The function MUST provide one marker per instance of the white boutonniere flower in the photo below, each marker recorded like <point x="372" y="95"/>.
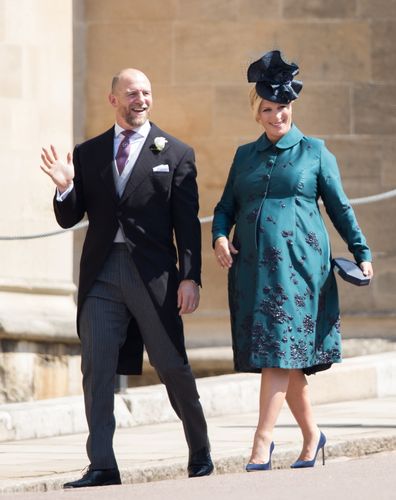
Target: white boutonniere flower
<point x="159" y="143"/>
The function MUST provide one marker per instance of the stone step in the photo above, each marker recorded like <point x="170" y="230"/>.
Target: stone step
<point x="356" y="378"/>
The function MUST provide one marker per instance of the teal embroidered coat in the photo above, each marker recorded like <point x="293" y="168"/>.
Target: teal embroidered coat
<point x="282" y="291"/>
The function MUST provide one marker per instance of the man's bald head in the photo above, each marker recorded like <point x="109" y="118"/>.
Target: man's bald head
<point x="130" y="74"/>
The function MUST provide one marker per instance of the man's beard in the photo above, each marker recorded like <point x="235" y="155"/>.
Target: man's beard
<point x="136" y="121"/>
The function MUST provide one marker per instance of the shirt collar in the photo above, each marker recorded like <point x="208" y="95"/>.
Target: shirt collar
<point x="142" y="131"/>
<point x="287" y="141"/>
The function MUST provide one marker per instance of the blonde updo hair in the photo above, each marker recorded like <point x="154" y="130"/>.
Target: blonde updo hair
<point x="255" y="101"/>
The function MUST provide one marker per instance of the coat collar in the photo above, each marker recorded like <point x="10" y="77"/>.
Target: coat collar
<point x="289" y="140"/>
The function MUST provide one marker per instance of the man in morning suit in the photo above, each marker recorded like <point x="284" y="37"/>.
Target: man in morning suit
<point x="137" y="185"/>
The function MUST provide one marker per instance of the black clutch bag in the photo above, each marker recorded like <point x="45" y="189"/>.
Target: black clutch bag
<point x="350" y="272"/>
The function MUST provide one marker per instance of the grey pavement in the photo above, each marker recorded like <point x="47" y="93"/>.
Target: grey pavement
<point x="355" y="406"/>
<point x="365" y="478"/>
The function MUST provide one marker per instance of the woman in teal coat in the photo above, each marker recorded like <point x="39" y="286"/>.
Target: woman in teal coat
<point x="282" y="290"/>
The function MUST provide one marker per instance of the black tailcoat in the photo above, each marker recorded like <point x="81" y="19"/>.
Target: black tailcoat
<point x="156" y="210"/>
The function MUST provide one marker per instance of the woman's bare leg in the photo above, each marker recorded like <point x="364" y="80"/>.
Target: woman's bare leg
<point x="297" y="397"/>
<point x="274" y="384"/>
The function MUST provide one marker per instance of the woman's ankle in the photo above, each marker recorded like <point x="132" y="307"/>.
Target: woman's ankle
<point x="261" y="447"/>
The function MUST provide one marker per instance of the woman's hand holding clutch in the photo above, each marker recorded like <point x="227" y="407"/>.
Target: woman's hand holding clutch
<point x="367" y="269"/>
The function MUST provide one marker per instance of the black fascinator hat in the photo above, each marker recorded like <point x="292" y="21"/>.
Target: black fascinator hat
<point x="274" y="78"/>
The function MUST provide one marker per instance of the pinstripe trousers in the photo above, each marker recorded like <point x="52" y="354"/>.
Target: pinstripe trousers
<point x="117" y="295"/>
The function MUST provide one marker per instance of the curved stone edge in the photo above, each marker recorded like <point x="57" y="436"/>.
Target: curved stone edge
<point x="356" y="378"/>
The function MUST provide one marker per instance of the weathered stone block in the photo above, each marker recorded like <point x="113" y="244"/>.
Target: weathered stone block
<point x="386" y="286"/>
<point x="341" y="50"/>
<point x="208" y="10"/>
<point x="32" y="370"/>
<point x="358" y="156"/>
<point x="210" y="52"/>
<point x="100" y="112"/>
<point x="220" y="53"/>
<point x="380" y="9"/>
<point x="257" y="9"/>
<point x="373" y="106"/>
<point x="6" y="136"/>
<point x="149" y="404"/>
<point x="137" y="46"/>
<point x="228" y="10"/>
<point x="17" y="372"/>
<point x="319" y="8"/>
<point x="11" y="71"/>
<point x="28" y="420"/>
<point x="354" y="300"/>
<point x="358" y="382"/>
<point x="232" y="112"/>
<point x="361" y="187"/>
<point x="74" y="372"/>
<point x="127" y="11"/>
<point x="380" y="225"/>
<point x="386" y="378"/>
<point x="383" y="50"/>
<point x="28" y="22"/>
<point x="389" y="166"/>
<point x="330" y="51"/>
<point x="2" y="20"/>
<point x="214" y="158"/>
<point x="209" y="199"/>
<point x="360" y="160"/>
<point x="215" y="393"/>
<point x="383" y="284"/>
<point x="185" y="111"/>
<point x="51" y="377"/>
<point x="314" y="116"/>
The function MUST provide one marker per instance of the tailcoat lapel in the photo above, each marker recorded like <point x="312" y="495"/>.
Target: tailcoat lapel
<point x="106" y="169"/>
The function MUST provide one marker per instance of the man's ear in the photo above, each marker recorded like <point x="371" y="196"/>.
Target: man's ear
<point x="113" y="100"/>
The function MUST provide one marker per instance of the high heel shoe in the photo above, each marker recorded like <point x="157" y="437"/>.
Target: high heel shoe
<point x="267" y="466"/>
<point x="299" y="464"/>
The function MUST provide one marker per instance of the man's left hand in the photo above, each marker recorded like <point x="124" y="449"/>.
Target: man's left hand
<point x="187" y="297"/>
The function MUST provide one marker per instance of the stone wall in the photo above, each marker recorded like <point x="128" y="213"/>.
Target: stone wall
<point x="36" y="287"/>
<point x="196" y="53"/>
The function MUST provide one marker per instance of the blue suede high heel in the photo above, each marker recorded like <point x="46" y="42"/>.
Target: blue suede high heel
<point x="267" y="466"/>
<point x="299" y="464"/>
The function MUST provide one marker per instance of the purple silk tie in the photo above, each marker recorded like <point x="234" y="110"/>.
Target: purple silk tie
<point x="123" y="151"/>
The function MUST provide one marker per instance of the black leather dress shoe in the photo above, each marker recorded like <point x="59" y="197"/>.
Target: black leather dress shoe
<point x="200" y="463"/>
<point x="98" y="477"/>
